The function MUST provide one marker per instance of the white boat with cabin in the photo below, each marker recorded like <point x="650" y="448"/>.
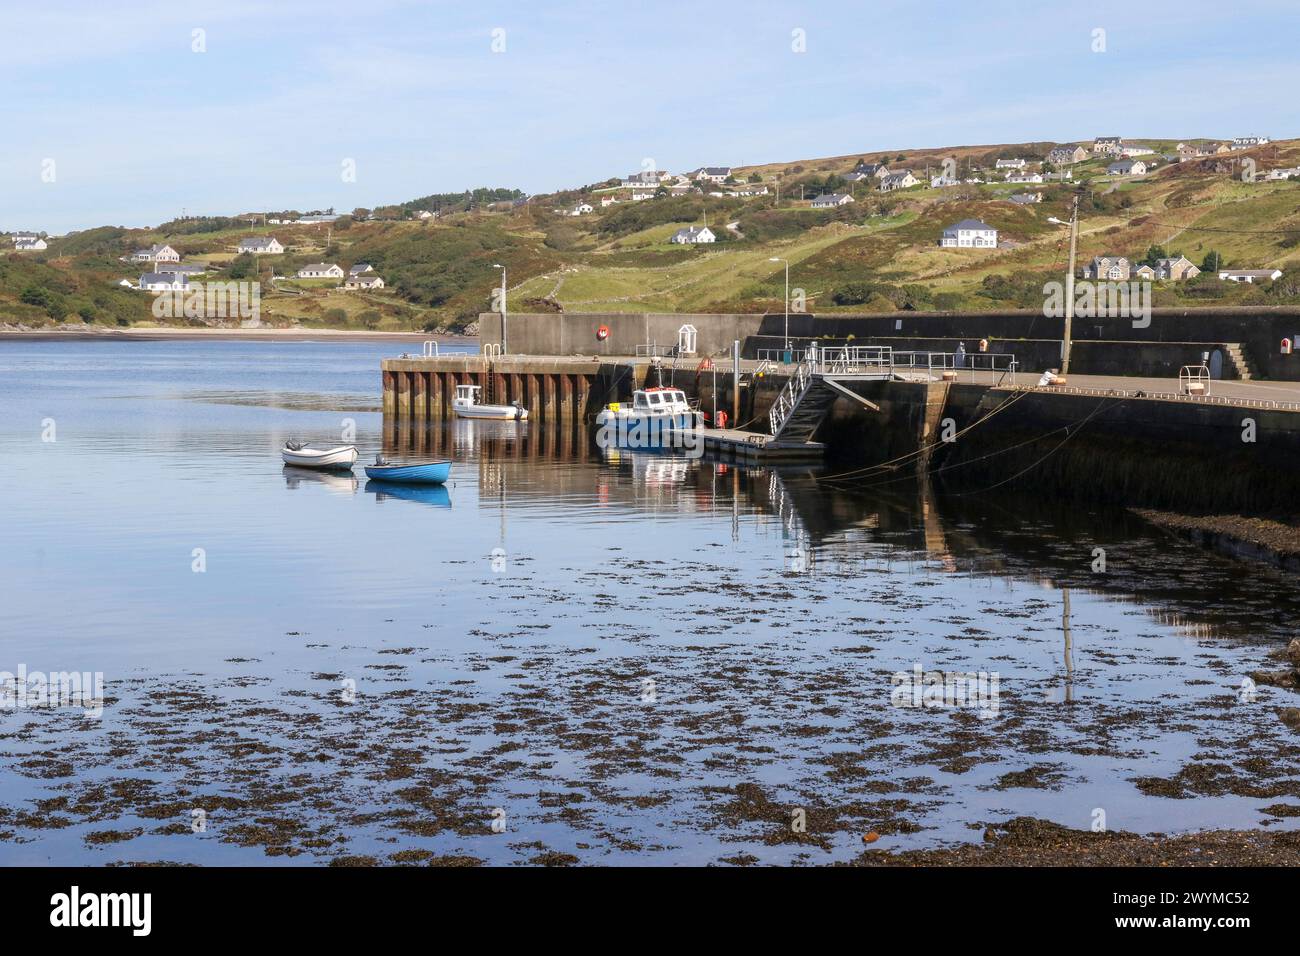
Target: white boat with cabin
<point x="466" y="405"/>
<point x="654" y="415"/>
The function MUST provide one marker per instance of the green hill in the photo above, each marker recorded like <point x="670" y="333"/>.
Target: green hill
<point x="880" y="252"/>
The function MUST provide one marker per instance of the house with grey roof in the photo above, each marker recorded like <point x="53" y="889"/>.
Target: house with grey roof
<point x="969" y="234"/>
<point x="1250" y="275"/>
<point x="364" y="280"/>
<point x="1110" y="268"/>
<point x="29" y="244"/>
<point x="1067" y="155"/>
<point x="903" y="179"/>
<point x="157" y="253"/>
<point x="164" y="282"/>
<point x="693" y="235"/>
<point x="320" y="270"/>
<point x="180" y="268"/>
<point x="714" y="174"/>
<point x="1127" y="167"/>
<point x="830" y="200"/>
<point x="359" y="268"/>
<point x="261" y="246"/>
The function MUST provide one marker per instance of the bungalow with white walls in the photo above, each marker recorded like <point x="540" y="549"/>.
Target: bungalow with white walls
<point x="1127" y="167"/>
<point x="364" y="280"/>
<point x="29" y="244"/>
<point x="320" y="270"/>
<point x="830" y="200"/>
<point x="1250" y="275"/>
<point x="164" y="282"/>
<point x="261" y="246"/>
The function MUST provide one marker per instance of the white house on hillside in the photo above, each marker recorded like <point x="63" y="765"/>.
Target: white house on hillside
<point x="1009" y="164"/>
<point x="581" y="209"/>
<point x="827" y="200"/>
<point x="320" y="270"/>
<point x="261" y="246"/>
<point x="158" y="253"/>
<point x="970" y="234"/>
<point x="1250" y="275"/>
<point x="30" y="244"/>
<point x="361" y="267"/>
<point x="164" y="282"/>
<point x="714" y="174"/>
<point x="1024" y="177"/>
<point x="693" y="234"/>
<point x="364" y="280"/>
<point x="899" y="180"/>
<point x="1127" y="167"/>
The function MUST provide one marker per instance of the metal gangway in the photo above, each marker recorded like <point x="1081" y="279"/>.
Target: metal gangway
<point x="818" y="375"/>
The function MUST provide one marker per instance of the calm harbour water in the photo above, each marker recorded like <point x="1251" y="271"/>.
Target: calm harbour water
<point x="636" y="658"/>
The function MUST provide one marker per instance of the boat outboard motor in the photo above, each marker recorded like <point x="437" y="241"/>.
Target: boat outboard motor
<point x="380" y="461"/>
<point x="519" y="411"/>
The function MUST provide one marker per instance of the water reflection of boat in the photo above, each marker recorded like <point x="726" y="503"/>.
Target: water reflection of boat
<point x="435" y="495"/>
<point x="338" y="482"/>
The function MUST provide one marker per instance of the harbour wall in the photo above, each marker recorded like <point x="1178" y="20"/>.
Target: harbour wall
<point x="1111" y="346"/>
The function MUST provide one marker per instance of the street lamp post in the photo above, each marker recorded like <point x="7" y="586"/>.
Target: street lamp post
<point x="1069" y="284"/>
<point x="787" y="299"/>
<point x="497" y="265"/>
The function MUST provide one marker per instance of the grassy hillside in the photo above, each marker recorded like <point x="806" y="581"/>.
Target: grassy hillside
<point x="879" y="253"/>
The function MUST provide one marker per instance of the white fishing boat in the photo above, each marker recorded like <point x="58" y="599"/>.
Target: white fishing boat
<point x="302" y="455"/>
<point x="656" y="416"/>
<point x="466" y="405"/>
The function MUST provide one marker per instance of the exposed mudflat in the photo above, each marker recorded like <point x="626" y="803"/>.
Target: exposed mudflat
<point x="589" y="735"/>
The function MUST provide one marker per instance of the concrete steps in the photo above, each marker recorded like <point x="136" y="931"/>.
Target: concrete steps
<point x="1238" y="359"/>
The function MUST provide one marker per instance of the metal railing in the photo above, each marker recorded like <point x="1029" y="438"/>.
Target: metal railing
<point x="788" y="400"/>
<point x="655" y="351"/>
<point x="430" y="349"/>
<point x="999" y="363"/>
<point x="491" y="349"/>
<point x="1194" y="380"/>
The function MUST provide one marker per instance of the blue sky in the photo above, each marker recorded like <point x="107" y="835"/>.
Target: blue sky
<point x="140" y="127"/>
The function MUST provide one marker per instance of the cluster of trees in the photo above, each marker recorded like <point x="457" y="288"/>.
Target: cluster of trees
<point x="442" y="203"/>
<point x="627" y="218"/>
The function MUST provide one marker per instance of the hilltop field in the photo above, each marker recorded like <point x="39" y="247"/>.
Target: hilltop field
<point x="876" y="254"/>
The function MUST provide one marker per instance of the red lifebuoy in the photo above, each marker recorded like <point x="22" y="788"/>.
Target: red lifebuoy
<point x="602" y="333"/>
<point x="1286" y="346"/>
<point x="722" y="419"/>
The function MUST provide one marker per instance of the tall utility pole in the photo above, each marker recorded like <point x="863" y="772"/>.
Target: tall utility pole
<point x="1069" y="289"/>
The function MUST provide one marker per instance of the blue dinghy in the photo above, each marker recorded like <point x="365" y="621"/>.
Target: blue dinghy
<point x="422" y="473"/>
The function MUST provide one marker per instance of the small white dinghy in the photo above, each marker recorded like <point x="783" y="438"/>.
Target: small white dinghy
<point x="466" y="405"/>
<point x="301" y="455"/>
